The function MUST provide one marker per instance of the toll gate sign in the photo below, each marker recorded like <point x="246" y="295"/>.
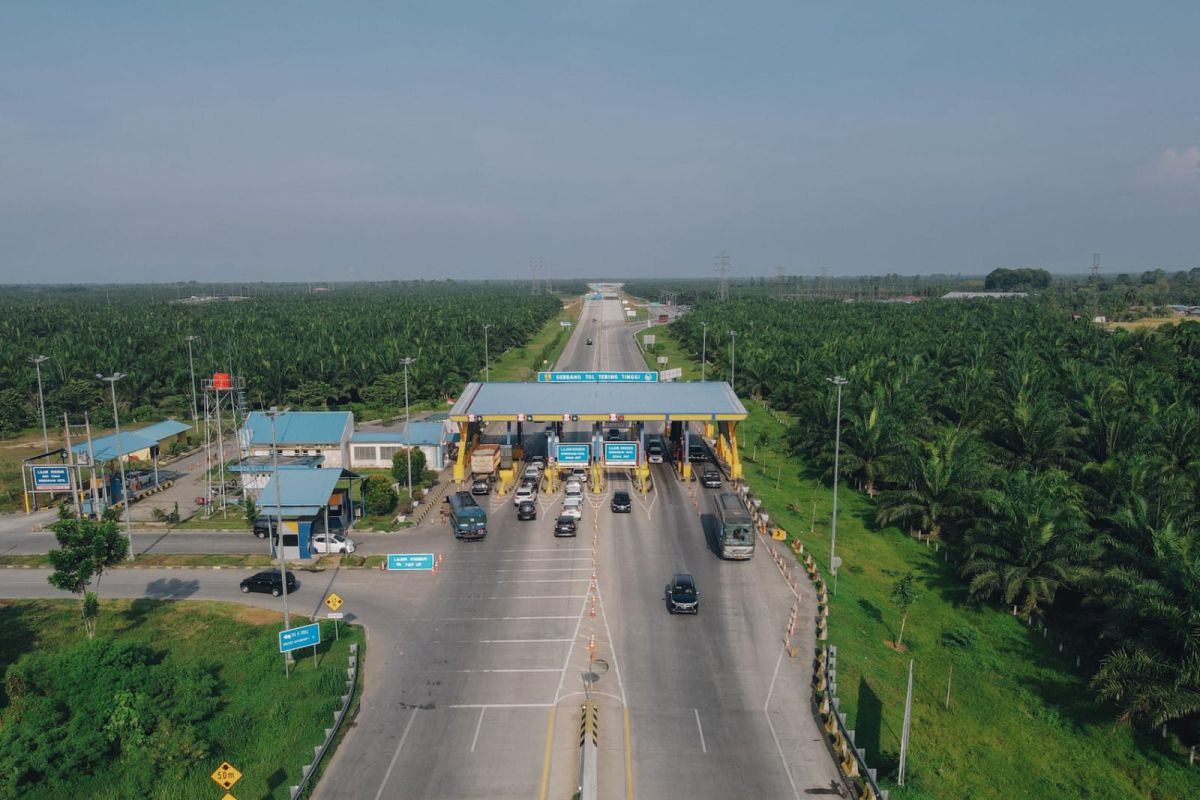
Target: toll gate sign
<point x="621" y="454"/>
<point x="51" y="479"/>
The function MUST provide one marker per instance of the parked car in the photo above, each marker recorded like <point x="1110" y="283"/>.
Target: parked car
<point x="481" y="486"/>
<point x="682" y="595"/>
<point x="526" y="492"/>
<point x="710" y="478"/>
<point x="332" y="543"/>
<point x="621" y="503"/>
<point x="574" y="489"/>
<point x="263" y="528"/>
<point x="526" y="510"/>
<point x="268" y="581"/>
<point x="573" y="507"/>
<point x="564" y="526"/>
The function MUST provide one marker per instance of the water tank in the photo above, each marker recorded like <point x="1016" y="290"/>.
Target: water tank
<point x="221" y="380"/>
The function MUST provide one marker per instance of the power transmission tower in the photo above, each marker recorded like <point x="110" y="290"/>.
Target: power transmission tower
<point x="723" y="270"/>
<point x="533" y="273"/>
<point x="825" y="281"/>
<point x="1095" y="286"/>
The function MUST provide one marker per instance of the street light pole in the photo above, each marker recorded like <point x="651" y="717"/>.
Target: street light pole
<point x="272" y="414"/>
<point x="487" y="364"/>
<point x="37" y="363"/>
<point x="703" y="348"/>
<point x="111" y="380"/>
<point x="192" y="372"/>
<point x="733" y="360"/>
<point x="407" y="426"/>
<point x="839" y="382"/>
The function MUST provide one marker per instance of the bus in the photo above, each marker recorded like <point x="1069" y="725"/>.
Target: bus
<point x="467" y="519"/>
<point x="735" y="528"/>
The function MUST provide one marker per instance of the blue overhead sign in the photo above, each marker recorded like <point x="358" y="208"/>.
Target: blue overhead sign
<point x="621" y="454"/>
<point x="406" y="562"/>
<point x="296" y="638"/>
<point x="573" y="453"/>
<point x="597" y="377"/>
<point x="51" y="479"/>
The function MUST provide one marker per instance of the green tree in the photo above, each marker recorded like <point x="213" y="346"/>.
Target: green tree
<point x="86" y="549"/>
<point x="938" y="479"/>
<point x="249" y="509"/>
<point x="904" y="594"/>
<point x="379" y="496"/>
<point x="400" y="466"/>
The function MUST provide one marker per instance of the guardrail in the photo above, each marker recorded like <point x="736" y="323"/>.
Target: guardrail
<point x="589" y="735"/>
<point x="338" y="716"/>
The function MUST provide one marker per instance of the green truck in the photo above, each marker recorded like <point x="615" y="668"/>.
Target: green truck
<point x="467" y="519"/>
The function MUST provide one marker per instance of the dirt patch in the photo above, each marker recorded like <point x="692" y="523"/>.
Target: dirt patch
<point x="899" y="648"/>
<point x="251" y="615"/>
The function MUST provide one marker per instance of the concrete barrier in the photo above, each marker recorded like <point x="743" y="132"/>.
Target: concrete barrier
<point x="338" y="716"/>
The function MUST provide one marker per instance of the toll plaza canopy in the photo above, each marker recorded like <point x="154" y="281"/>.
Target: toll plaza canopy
<point x="709" y="401"/>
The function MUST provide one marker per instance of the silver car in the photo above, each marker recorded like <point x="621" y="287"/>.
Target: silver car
<point x="332" y="543"/>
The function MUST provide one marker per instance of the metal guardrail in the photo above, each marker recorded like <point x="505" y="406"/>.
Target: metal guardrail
<point x="851" y="759"/>
<point x="338" y="716"/>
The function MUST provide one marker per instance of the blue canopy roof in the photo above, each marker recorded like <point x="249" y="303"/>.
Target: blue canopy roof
<point x="420" y="433"/>
<point x="302" y="493"/>
<point x="104" y="448"/>
<point x="299" y="427"/>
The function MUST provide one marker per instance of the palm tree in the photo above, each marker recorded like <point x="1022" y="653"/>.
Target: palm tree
<point x="1029" y="543"/>
<point x="939" y="478"/>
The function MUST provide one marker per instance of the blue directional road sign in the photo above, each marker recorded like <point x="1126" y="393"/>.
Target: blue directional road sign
<point x="51" y="479"/>
<point x="296" y="638"/>
<point x="573" y="453"/>
<point x="407" y="562"/>
<point x="597" y="377"/>
<point x="621" y="454"/>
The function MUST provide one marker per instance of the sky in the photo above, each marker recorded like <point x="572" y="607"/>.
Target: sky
<point x="397" y="140"/>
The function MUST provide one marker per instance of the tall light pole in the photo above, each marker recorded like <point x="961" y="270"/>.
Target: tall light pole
<point x="37" y="363"/>
<point x="733" y="360"/>
<point x="272" y="414"/>
<point x="407" y="426"/>
<point x="192" y="372"/>
<point x="487" y="364"/>
<point x="111" y="380"/>
<point x="839" y="382"/>
<point x="703" y="348"/>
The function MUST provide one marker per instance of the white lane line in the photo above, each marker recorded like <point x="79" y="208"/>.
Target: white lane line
<point x="396" y="755"/>
<point x="570" y="651"/>
<point x="517" y="670"/>
<point x="535" y="597"/>
<point x="498" y="705"/>
<point x="774" y="676"/>
<point x="478" y="725"/>
<point x="493" y="619"/>
<point x="494" y="641"/>
<point x="696" y="711"/>
<point x="778" y="749"/>
<point x="612" y="644"/>
<point x="546" y="580"/>
<point x="461" y="569"/>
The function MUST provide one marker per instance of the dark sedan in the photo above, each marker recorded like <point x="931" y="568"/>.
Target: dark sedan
<point x="564" y="526"/>
<point x="527" y="510"/>
<point x="621" y="504"/>
<point x="682" y="595"/>
<point x="268" y="581"/>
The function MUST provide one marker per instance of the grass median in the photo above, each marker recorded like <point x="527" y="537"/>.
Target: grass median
<point x="523" y="363"/>
<point x="120" y="739"/>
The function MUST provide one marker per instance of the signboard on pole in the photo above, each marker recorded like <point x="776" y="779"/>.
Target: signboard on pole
<point x="51" y="479"/>
<point x="566" y="323"/>
<point x="597" y="377"/>
<point x="649" y="339"/>
<point x="621" y="454"/>
<point x="409" y="562"/>
<point x="296" y="638"/>
<point x="671" y="374"/>
<point x="226" y="775"/>
<point x="662" y="360"/>
<point x="573" y="453"/>
<point x="333" y="601"/>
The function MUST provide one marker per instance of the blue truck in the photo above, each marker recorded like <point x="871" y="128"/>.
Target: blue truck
<point x="467" y="519"/>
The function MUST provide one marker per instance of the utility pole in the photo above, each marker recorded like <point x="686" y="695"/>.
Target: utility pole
<point x="487" y="364"/>
<point x="408" y="427"/>
<point x="192" y="372"/>
<point x="733" y="360"/>
<point x="703" y="348"/>
<point x="37" y="363"/>
<point x="839" y="382"/>
<point x="111" y="380"/>
<point x="271" y="414"/>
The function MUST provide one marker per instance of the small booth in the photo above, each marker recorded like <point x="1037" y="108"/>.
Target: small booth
<point x="307" y="502"/>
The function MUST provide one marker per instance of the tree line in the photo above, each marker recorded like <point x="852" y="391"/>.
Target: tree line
<point x="1058" y="462"/>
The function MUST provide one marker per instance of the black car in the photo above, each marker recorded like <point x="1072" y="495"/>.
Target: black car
<point x="682" y="595"/>
<point x="697" y="452"/>
<point x="527" y="510"/>
<point x="268" y="581"/>
<point x="614" y="434"/>
<point x="710" y="478"/>
<point x="589" y="341"/>
<point x="481" y="486"/>
<point x="262" y="528"/>
<point x="564" y="526"/>
<point x="621" y="504"/>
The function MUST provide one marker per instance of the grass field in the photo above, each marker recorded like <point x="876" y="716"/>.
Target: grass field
<point x="1149" y="322"/>
<point x="1020" y="723"/>
<point x="664" y="345"/>
<point x="266" y="725"/>
<point x="522" y="363"/>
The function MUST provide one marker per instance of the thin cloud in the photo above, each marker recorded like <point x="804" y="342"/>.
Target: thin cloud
<point x="1179" y="166"/>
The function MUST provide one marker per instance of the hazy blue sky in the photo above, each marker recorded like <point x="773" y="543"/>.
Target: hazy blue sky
<point x="169" y="140"/>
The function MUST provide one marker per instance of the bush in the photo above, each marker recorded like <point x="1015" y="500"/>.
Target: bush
<point x="962" y="637"/>
<point x="379" y="496"/>
<point x="349" y="560"/>
<point x="400" y="466"/>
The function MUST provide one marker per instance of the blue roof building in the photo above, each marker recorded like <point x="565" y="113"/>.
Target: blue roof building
<point x="139" y="444"/>
<point x="375" y="448"/>
<point x="307" y="502"/>
<point x="302" y="433"/>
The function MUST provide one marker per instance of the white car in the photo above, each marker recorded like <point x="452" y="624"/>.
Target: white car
<point x="526" y="491"/>
<point x="579" y="474"/>
<point x="532" y="472"/>
<point x="332" y="543"/>
<point x="573" y="507"/>
<point x="574" y="489"/>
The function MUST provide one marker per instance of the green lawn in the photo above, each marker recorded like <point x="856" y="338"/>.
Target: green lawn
<point x="664" y="345"/>
<point x="523" y="363"/>
<point x="1021" y="723"/>
<point x="265" y="725"/>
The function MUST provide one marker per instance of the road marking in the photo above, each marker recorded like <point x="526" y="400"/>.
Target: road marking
<point x="529" y="669"/>
<point x="546" y="759"/>
<point x="786" y="769"/>
<point x="492" y="619"/>
<point x="628" y="759"/>
<point x="501" y="705"/>
<point x="395" y="756"/>
<point x="493" y="641"/>
<point x="478" y="725"/>
<point x="624" y="700"/>
<point x="696" y="711"/>
<point x="546" y="580"/>
<point x="536" y="597"/>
